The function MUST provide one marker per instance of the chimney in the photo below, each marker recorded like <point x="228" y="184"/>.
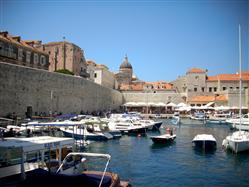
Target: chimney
<point x="30" y="43"/>
<point x="4" y="33"/>
<point x="17" y="38"/>
<point x="37" y="43"/>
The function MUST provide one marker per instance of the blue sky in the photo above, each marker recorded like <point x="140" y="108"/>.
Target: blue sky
<point x="163" y="39"/>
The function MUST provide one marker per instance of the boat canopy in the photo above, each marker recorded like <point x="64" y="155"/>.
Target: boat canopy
<point x="34" y="144"/>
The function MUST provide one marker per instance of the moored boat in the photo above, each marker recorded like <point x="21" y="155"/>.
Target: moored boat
<point x="204" y="141"/>
<point x="237" y="142"/>
<point x="85" y="133"/>
<point x="164" y="138"/>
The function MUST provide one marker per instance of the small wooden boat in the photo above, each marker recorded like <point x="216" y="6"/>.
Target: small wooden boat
<point x="165" y="138"/>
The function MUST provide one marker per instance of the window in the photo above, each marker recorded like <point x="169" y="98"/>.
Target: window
<point x="231" y="88"/>
<point x="224" y="88"/>
<point x="196" y="77"/>
<point x="43" y="60"/>
<point x="215" y="89"/>
<point x="10" y="52"/>
<point x="237" y="88"/>
<point x="35" y="58"/>
<point x="20" y="54"/>
<point x="210" y="89"/>
<point x="1" y="46"/>
<point x="95" y="75"/>
<point x="245" y="88"/>
<point x="195" y="89"/>
<point x="28" y="54"/>
<point x="203" y="89"/>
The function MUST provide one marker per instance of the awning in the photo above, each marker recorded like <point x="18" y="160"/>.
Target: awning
<point x="209" y="104"/>
<point x="171" y="104"/>
<point x="181" y="105"/>
<point x="222" y="108"/>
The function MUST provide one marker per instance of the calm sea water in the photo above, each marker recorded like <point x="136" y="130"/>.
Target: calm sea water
<point x="141" y="162"/>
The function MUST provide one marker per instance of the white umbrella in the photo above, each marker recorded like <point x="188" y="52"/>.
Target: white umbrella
<point x="151" y="104"/>
<point x="181" y="105"/>
<point x="161" y="104"/>
<point x="171" y="104"/>
<point x="141" y="104"/>
<point x="130" y="104"/>
<point x="184" y="108"/>
<point x="222" y="108"/>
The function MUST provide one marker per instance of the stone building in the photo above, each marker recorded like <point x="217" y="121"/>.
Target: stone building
<point x="198" y="88"/>
<point x="124" y="76"/>
<point x="91" y="67"/>
<point x="104" y="77"/>
<point x="16" y="51"/>
<point x="65" y="55"/>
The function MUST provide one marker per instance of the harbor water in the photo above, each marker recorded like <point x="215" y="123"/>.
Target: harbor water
<point x="137" y="159"/>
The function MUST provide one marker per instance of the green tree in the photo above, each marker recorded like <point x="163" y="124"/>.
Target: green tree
<point x="64" y="71"/>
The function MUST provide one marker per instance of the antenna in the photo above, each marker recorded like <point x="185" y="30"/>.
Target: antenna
<point x="240" y="76"/>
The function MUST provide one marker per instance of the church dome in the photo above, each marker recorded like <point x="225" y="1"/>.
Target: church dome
<point x="125" y="64"/>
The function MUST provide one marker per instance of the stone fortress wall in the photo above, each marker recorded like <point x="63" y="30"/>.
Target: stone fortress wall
<point x="150" y="96"/>
<point x="22" y="87"/>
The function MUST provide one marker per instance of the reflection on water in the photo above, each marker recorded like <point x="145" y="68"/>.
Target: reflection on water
<point x="177" y="164"/>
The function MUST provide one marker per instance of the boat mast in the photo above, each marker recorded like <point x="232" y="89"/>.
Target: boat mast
<point x="240" y="77"/>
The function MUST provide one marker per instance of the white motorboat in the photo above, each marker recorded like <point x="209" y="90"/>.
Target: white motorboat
<point x="198" y="116"/>
<point x="243" y="120"/>
<point x="237" y="142"/>
<point x="84" y="132"/>
<point x="127" y="126"/>
<point x="149" y="124"/>
<point x="163" y="139"/>
<point x="204" y="141"/>
<point x="76" y="169"/>
<point x="19" y="155"/>
<point x="176" y="118"/>
<point x="219" y="118"/>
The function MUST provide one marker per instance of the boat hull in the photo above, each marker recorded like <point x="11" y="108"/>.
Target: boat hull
<point x="157" y="125"/>
<point x="238" y="146"/>
<point x="163" y="139"/>
<point x="136" y="131"/>
<point x="116" y="134"/>
<point x="205" y="144"/>
<point x="93" y="137"/>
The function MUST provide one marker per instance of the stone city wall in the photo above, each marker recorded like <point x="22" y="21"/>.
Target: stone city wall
<point x="22" y="87"/>
<point x="159" y="96"/>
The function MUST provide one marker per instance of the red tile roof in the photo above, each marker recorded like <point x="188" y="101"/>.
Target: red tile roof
<point x="160" y="85"/>
<point x="229" y="77"/>
<point x="196" y="70"/>
<point x="208" y="98"/>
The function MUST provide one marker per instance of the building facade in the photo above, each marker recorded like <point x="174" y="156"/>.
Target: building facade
<point x="16" y="51"/>
<point x="91" y="67"/>
<point x="198" y="88"/>
<point x="65" y="55"/>
<point x="104" y="77"/>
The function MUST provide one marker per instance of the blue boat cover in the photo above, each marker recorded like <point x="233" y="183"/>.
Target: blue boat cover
<point x="42" y="178"/>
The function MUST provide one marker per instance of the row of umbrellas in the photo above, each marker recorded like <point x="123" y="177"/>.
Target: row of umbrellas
<point x="181" y="106"/>
<point x="159" y="104"/>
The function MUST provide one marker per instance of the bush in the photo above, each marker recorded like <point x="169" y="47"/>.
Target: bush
<point x="64" y="71"/>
